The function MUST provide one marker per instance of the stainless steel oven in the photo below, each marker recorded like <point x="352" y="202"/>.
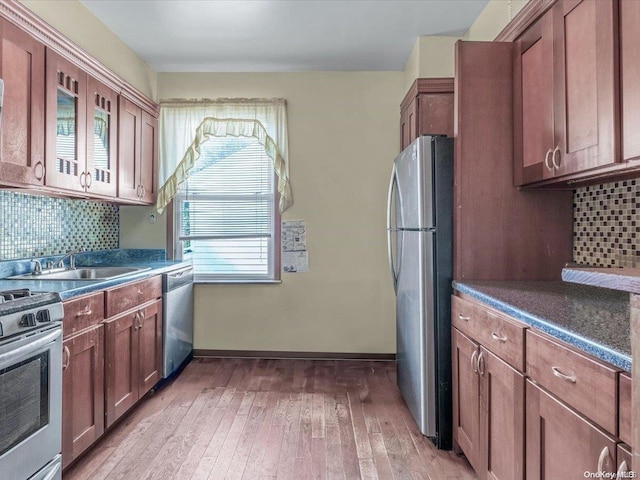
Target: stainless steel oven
<point x="30" y="388"/>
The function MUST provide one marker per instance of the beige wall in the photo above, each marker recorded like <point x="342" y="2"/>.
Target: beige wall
<point x="78" y="24"/>
<point x="493" y="18"/>
<point x="431" y="57"/>
<point x="343" y="136"/>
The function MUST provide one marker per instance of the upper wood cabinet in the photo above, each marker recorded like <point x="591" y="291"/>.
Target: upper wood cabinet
<point x="137" y="153"/>
<point x="427" y="109"/>
<point x="82" y="131"/>
<point x="533" y="107"/>
<point x="629" y="74"/>
<point x="22" y="65"/>
<point x="566" y="93"/>
<point x="102" y="137"/>
<point x="59" y="127"/>
<point x="66" y="123"/>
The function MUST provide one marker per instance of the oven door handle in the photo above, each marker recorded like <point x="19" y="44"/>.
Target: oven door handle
<point x="11" y="356"/>
<point x="51" y="474"/>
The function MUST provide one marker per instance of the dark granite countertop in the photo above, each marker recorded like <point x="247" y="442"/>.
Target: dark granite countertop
<point x="152" y="260"/>
<point x="594" y="320"/>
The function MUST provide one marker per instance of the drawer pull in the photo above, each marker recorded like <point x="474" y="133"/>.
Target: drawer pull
<point x="556" y="371"/>
<point x="622" y="469"/>
<point x="603" y="456"/>
<point x="140" y="292"/>
<point x="464" y="318"/>
<point x="84" y="313"/>
<point x="498" y="337"/>
<point x="474" y="364"/>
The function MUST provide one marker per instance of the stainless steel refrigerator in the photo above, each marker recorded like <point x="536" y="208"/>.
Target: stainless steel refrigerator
<point x="419" y="233"/>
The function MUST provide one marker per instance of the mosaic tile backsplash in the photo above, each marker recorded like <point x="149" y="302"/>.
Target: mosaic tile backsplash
<point x="36" y="226"/>
<point x="606" y="224"/>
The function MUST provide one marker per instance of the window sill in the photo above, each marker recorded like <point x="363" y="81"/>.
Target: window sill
<point x="237" y="282"/>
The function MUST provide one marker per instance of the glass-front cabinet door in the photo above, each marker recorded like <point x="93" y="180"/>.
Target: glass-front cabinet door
<point x="66" y="110"/>
<point x="102" y="119"/>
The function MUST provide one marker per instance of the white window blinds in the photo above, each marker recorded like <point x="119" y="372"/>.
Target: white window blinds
<point x="225" y="215"/>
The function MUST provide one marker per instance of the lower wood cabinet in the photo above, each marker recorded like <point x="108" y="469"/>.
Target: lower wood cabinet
<point x="466" y="392"/>
<point x="488" y="410"/>
<point x="133" y="344"/>
<point x="625" y="460"/>
<point x="83" y="392"/>
<point x="561" y="443"/>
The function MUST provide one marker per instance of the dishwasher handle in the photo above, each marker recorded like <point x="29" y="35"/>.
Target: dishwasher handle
<point x="177" y="278"/>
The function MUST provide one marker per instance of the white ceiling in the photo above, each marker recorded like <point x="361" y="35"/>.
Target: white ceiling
<point x="280" y="35"/>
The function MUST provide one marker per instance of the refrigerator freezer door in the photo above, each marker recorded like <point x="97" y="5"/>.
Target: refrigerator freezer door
<point x="415" y="328"/>
<point x="414" y="180"/>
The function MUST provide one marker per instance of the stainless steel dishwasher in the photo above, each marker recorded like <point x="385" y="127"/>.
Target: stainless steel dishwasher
<point x="177" y="313"/>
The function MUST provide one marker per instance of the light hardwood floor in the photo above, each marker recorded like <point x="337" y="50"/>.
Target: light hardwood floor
<point x="250" y="419"/>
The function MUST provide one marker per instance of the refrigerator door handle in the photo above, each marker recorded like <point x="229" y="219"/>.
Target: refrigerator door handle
<point x="391" y="230"/>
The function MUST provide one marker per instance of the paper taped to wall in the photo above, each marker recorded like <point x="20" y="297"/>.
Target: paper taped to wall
<point x="295" y="257"/>
<point x="295" y="262"/>
<point x="294" y="236"/>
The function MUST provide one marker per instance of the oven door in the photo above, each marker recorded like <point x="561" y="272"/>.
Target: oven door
<point x="30" y="402"/>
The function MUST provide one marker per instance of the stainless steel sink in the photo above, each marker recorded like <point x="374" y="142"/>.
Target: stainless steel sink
<point x="82" y="273"/>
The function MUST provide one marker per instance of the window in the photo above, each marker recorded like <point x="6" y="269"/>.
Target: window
<point x="226" y="214"/>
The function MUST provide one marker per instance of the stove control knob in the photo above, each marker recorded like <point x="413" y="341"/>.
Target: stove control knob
<point x="43" y="316"/>
<point x="28" y="320"/>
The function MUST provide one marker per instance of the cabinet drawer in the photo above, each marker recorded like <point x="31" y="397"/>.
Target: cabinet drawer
<point x="497" y="333"/>
<point x="131" y="295"/>
<point x="624" y="402"/>
<point x="585" y="384"/>
<point x="82" y="312"/>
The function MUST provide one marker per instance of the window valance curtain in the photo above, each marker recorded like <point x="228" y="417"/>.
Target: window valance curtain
<point x="187" y="124"/>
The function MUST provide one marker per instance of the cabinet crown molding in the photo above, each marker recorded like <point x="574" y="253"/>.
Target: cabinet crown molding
<point x="523" y="19"/>
<point x="22" y="17"/>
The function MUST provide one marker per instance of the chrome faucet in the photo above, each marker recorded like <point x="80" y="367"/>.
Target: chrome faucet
<point x="37" y="269"/>
<point x="72" y="260"/>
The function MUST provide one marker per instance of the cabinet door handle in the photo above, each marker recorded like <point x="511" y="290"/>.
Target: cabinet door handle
<point x="88" y="180"/>
<point x="140" y="319"/>
<point x="464" y="318"/>
<point x="603" y="456"/>
<point x="481" y="365"/>
<point x="553" y="157"/>
<point x="474" y="364"/>
<point x="556" y="371"/>
<point x="623" y="468"/>
<point x="498" y="337"/>
<point x="66" y="358"/>
<point x="39" y="170"/>
<point x="136" y="321"/>
<point x="144" y="191"/>
<point x="547" y="159"/>
<point x="82" y="182"/>
<point x="84" y="313"/>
